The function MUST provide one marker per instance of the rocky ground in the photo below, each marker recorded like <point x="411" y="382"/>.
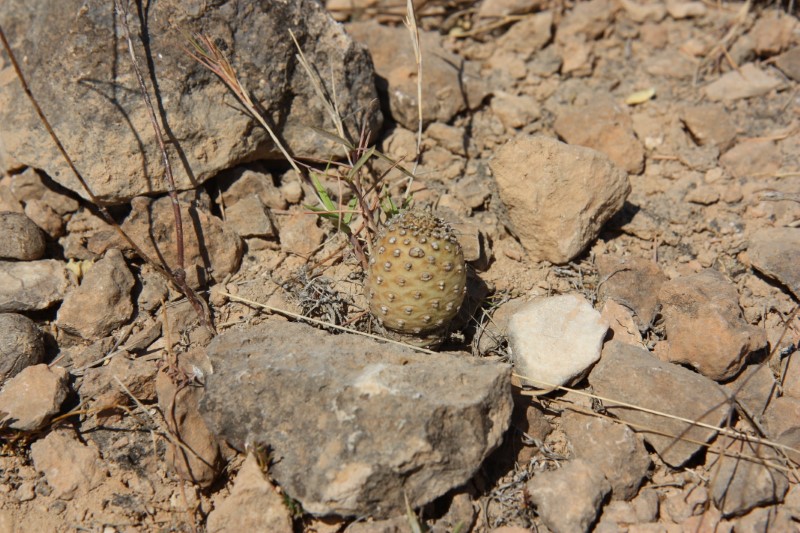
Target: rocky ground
<point x="624" y="180"/>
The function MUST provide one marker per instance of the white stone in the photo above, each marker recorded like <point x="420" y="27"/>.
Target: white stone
<point x="554" y="341"/>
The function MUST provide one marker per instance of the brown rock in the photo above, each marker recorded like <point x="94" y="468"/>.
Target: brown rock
<point x="395" y="63"/>
<point x="611" y="447"/>
<point x="21" y="345"/>
<point x="587" y="19"/>
<point x="543" y="183"/>
<point x="605" y="127"/>
<point x="502" y="8"/>
<point x="529" y="35"/>
<point x="22" y="239"/>
<point x="746" y="82"/>
<point x="633" y="282"/>
<point x="210" y="249"/>
<point x="782" y="415"/>
<point x="300" y="234"/>
<point x="740" y="484"/>
<point x="776" y="253"/>
<point x="253" y="504"/>
<point x="569" y="498"/>
<point x="791" y="376"/>
<point x="70" y="467"/>
<point x="705" y="326"/>
<point x="103" y="301"/>
<point x="753" y="158"/>
<point x="632" y="375"/>
<point x="773" y="32"/>
<point x="789" y="63"/>
<point x="753" y="389"/>
<point x="32" y="285"/>
<point x="100" y="384"/>
<point x="198" y="458"/>
<point x="243" y="183"/>
<point x="515" y="111"/>
<point x="678" y="9"/>
<point x="249" y="217"/>
<point x="32" y="397"/>
<point x="620" y="321"/>
<point x="710" y="124"/>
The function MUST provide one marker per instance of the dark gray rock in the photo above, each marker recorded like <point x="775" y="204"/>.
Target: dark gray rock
<point x="21" y="345"/>
<point x="32" y="285"/>
<point x="103" y="301"/>
<point x="632" y="375"/>
<point x="22" y="239"/>
<point x="776" y="253"/>
<point x="569" y="499"/>
<point x="77" y="63"/>
<point x="354" y="425"/>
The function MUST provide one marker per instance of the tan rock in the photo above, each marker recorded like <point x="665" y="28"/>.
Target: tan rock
<point x="752" y="158"/>
<point x="70" y="467"/>
<point x="558" y="196"/>
<point x="32" y="397"/>
<point x="710" y="124"/>
<point x="705" y="326"/>
<point x="253" y="504"/>
<point x="605" y="127"/>
<point x="746" y="82"/>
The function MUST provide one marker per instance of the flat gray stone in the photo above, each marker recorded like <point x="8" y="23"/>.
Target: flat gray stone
<point x="632" y="375"/>
<point x="32" y="285"/>
<point x="776" y="253"/>
<point x="354" y="425"/>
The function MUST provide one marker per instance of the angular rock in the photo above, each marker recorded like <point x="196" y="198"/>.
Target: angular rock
<point x="741" y="484"/>
<point x="249" y="217"/>
<point x="710" y="124"/>
<point x="789" y="63"/>
<point x="102" y="302"/>
<point x="355" y="425"/>
<point x="180" y="407"/>
<point x="680" y="506"/>
<point x="746" y="82"/>
<point x="444" y="94"/>
<point x="775" y="252"/>
<point x="603" y="126"/>
<point x="32" y="397"/>
<point x="753" y="389"/>
<point x="253" y="504"/>
<point x="791" y="376"/>
<point x="620" y="321"/>
<point x="21" y="345"/>
<point x="558" y="196"/>
<point x="22" y="239"/>
<point x="773" y="32"/>
<point x="243" y="183"/>
<point x="32" y="285"/>
<point x="300" y="234"/>
<point x="118" y="151"/>
<point x="210" y="249"/>
<point x="705" y="326"/>
<point x="632" y="375"/>
<point x="611" y="447"/>
<point x="782" y="415"/>
<point x="100" y="384"/>
<point x="554" y="341"/>
<point x="569" y="498"/>
<point x="633" y="282"/>
<point x="754" y="157"/>
<point x="70" y="467"/>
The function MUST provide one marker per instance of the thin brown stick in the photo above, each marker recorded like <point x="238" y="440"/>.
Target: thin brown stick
<point x="178" y="273"/>
<point x="94" y="199"/>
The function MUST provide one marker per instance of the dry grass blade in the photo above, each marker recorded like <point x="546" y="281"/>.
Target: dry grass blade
<point x="617" y="403"/>
<point x="209" y="55"/>
<point x="411" y="23"/>
<point x="321" y="322"/>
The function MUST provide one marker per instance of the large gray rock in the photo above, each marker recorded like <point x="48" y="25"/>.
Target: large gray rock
<point x="558" y="196"/>
<point x="354" y="425"/>
<point x="77" y="63"/>
<point x="632" y="375"/>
